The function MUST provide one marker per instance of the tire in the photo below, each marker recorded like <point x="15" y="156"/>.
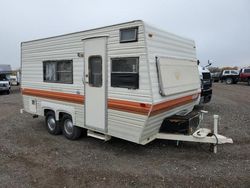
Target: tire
<point x="52" y="125"/>
<point x="229" y="81"/>
<point x="70" y="131"/>
<point x="248" y="81"/>
<point x="8" y="92"/>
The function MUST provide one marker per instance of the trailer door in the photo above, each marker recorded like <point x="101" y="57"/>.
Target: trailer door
<point x="95" y="83"/>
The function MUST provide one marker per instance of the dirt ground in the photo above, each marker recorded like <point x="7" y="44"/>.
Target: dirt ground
<point x="31" y="157"/>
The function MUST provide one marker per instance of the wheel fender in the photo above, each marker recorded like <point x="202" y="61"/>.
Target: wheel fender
<point x="57" y="108"/>
<point x="69" y="111"/>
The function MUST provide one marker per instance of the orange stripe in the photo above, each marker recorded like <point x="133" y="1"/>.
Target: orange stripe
<point x="161" y="107"/>
<point x="115" y="104"/>
<point x="74" y="98"/>
<point x="128" y="106"/>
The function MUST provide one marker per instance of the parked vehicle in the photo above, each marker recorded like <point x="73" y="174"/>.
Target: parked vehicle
<point x="122" y="81"/>
<point x="13" y="80"/>
<point x="230" y="76"/>
<point x="245" y="75"/>
<point x="206" y="85"/>
<point x="216" y="76"/>
<point x="4" y="84"/>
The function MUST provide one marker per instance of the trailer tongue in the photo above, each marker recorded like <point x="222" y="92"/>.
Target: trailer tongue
<point x="202" y="135"/>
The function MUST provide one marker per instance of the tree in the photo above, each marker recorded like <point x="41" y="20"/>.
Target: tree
<point x="214" y="69"/>
<point x="230" y="68"/>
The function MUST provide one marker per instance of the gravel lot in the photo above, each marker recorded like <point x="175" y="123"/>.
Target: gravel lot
<point x="30" y="157"/>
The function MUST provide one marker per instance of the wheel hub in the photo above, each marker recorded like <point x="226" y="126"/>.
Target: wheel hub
<point x="51" y="123"/>
<point x="68" y="126"/>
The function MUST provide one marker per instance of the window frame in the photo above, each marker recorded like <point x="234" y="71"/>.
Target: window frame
<point x="118" y="58"/>
<point x="131" y="40"/>
<point x="94" y="56"/>
<point x="135" y="75"/>
<point x="56" y="62"/>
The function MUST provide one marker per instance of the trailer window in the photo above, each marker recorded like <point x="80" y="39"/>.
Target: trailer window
<point x="125" y="72"/>
<point x="58" y="71"/>
<point x="95" y="71"/>
<point x="129" y="34"/>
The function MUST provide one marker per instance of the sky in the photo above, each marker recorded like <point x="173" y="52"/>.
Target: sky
<point x="220" y="28"/>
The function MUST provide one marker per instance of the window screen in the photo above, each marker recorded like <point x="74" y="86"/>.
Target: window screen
<point x="128" y="65"/>
<point x="95" y="71"/>
<point x="58" y="71"/>
<point x="125" y="72"/>
<point x="129" y="34"/>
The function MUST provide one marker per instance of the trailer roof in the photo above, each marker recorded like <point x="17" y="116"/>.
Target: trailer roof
<point x="82" y="31"/>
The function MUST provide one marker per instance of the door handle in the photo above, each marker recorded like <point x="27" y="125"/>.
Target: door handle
<point x="83" y="81"/>
<point x="86" y="78"/>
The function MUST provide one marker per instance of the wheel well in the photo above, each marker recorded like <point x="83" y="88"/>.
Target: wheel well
<point x="48" y="110"/>
<point x="61" y="114"/>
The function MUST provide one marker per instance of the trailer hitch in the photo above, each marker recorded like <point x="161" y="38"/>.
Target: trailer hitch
<point x="201" y="135"/>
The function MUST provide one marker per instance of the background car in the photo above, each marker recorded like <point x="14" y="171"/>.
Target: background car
<point x="230" y="76"/>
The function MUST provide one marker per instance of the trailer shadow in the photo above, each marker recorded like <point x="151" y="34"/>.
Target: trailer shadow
<point x="122" y="148"/>
<point x="161" y="147"/>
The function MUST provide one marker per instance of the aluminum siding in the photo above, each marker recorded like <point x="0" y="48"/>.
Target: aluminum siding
<point x="120" y="124"/>
<point x="164" y="44"/>
<point x="167" y="45"/>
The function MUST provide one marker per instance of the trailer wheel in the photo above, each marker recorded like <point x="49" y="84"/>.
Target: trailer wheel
<point x="229" y="81"/>
<point x="69" y="130"/>
<point x="51" y="123"/>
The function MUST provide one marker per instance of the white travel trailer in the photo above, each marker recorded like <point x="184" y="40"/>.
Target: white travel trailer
<point x="121" y="80"/>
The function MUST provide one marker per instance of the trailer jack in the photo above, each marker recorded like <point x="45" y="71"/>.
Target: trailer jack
<point x="201" y="135"/>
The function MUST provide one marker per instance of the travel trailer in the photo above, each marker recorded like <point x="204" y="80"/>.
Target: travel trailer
<point x="118" y="81"/>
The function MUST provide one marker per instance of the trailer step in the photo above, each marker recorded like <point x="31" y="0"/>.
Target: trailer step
<point x="98" y="135"/>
